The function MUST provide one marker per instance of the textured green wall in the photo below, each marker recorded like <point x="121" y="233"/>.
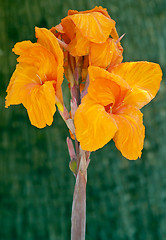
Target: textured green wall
<point x="126" y="200"/>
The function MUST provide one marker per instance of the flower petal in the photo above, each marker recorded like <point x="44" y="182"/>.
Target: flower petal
<point x="39" y="57"/>
<point x="79" y="45"/>
<point x="94" y="126"/>
<point x="95" y="9"/>
<point x="106" y="88"/>
<point x="21" y="77"/>
<point x="129" y="138"/>
<point x="40" y="104"/>
<point x="47" y="39"/>
<point x="143" y="77"/>
<point x="105" y="54"/>
<point x="114" y="34"/>
<point x="100" y="54"/>
<point x="69" y="27"/>
<point x="22" y="47"/>
<point x="94" y="26"/>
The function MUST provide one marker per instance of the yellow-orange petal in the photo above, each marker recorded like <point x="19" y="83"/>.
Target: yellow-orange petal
<point x="23" y="75"/>
<point x="117" y="56"/>
<point x="143" y="77"/>
<point x="106" y="88"/>
<point x="71" y="12"/>
<point x="22" y="47"/>
<point x="114" y="34"/>
<point x="95" y="9"/>
<point x="94" y="26"/>
<point x="45" y="66"/>
<point x="40" y="104"/>
<point x="47" y="39"/>
<point x="129" y="138"/>
<point x="68" y="27"/>
<point x="94" y="126"/>
<point x="100" y="54"/>
<point x="79" y="45"/>
<point x="39" y="57"/>
<point x="105" y="54"/>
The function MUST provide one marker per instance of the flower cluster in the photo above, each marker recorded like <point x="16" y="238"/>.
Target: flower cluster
<point x="106" y="94"/>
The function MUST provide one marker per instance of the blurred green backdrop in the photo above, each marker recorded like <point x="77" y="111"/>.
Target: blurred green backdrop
<point x="126" y="200"/>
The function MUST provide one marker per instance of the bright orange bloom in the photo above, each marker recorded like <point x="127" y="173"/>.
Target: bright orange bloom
<point x="87" y="33"/>
<point x="110" y="110"/>
<point x="36" y="82"/>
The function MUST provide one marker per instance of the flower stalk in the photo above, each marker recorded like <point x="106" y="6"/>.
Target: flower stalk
<point x="78" y="218"/>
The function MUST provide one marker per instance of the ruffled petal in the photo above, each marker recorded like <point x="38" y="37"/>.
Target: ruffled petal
<point x="41" y="58"/>
<point x="94" y="26"/>
<point x="21" y="77"/>
<point x="40" y="104"/>
<point x="95" y="9"/>
<point x="105" y="54"/>
<point x="94" y="126"/>
<point x="143" y="77"/>
<point x="22" y="47"/>
<point x="129" y="138"/>
<point x="100" y="54"/>
<point x="106" y="88"/>
<point x="114" y="33"/>
<point x="68" y="27"/>
<point x="47" y="39"/>
<point x="79" y="45"/>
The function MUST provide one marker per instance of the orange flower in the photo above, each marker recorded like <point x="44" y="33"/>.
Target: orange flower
<point x="111" y="107"/>
<point x="36" y="82"/>
<point x="87" y="33"/>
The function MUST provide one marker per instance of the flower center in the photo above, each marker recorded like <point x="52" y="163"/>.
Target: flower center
<point x="108" y="108"/>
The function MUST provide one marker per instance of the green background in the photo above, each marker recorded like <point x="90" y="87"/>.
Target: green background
<point x="126" y="200"/>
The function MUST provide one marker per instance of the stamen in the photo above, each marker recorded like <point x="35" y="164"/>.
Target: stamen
<point x="39" y="78"/>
